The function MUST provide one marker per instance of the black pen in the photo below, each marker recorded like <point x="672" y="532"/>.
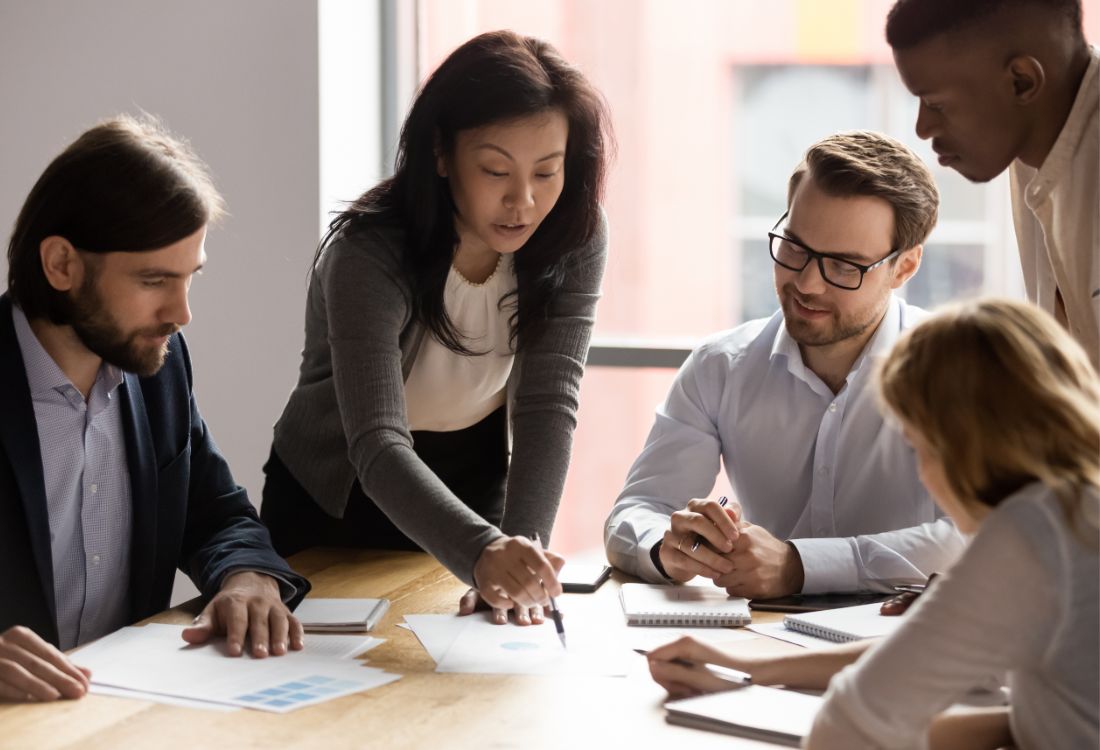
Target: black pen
<point x="735" y="676"/>
<point x="554" y="611"/>
<point x="698" y="538"/>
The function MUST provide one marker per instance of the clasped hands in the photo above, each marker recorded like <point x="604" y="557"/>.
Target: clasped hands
<point x="739" y="556"/>
<point x="514" y="574"/>
<point x="248" y="604"/>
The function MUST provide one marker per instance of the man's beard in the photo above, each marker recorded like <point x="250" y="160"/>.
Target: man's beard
<point x="101" y="334"/>
<point x="809" y="335"/>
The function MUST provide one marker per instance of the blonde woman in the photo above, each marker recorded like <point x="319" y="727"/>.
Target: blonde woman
<point x="1003" y="410"/>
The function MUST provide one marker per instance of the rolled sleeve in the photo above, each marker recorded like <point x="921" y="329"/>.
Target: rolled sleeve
<point x="829" y="565"/>
<point x="629" y="544"/>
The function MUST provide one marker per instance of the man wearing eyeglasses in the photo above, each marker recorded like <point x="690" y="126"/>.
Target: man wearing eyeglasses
<point x="829" y="497"/>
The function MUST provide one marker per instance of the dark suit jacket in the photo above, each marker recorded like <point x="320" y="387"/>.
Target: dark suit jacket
<point x="187" y="510"/>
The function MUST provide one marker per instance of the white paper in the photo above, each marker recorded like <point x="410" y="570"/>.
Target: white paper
<point x="339" y="646"/>
<point x="482" y="647"/>
<point x="436" y="633"/>
<point x="594" y="629"/>
<point x="168" y="700"/>
<point x="155" y="659"/>
<point x="780" y="632"/>
<point x="651" y="636"/>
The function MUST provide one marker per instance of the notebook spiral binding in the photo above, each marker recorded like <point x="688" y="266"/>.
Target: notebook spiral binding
<point x="665" y="618"/>
<point x="820" y="632"/>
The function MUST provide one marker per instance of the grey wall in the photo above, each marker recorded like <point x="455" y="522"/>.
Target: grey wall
<point x="239" y="78"/>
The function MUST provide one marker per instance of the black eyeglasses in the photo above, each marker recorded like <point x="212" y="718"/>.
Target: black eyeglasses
<point x="795" y="256"/>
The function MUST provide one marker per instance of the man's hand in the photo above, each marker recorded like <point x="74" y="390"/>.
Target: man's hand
<point x="514" y="573"/>
<point x="718" y="528"/>
<point x="763" y="566"/>
<point x="248" y="604"/>
<point x="32" y="670"/>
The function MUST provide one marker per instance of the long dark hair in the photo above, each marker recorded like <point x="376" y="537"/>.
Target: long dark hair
<point x="125" y="185"/>
<point x="494" y="77"/>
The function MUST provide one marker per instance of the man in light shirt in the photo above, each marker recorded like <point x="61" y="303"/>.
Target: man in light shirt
<point x="109" y="479"/>
<point x="830" y="500"/>
<point x="1012" y="84"/>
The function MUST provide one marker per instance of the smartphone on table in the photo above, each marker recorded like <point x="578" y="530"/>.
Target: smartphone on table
<point x="583" y="578"/>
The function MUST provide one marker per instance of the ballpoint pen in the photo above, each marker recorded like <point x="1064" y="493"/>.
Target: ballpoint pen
<point x="554" y="611"/>
<point x="726" y="674"/>
<point x="698" y="538"/>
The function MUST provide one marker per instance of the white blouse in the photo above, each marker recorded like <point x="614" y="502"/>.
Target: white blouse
<point x="1022" y="599"/>
<point x="446" y="391"/>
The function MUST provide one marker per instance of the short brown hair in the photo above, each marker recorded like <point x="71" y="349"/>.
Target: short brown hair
<point x="862" y="162"/>
<point x="1004" y="396"/>
<point x="125" y="185"/>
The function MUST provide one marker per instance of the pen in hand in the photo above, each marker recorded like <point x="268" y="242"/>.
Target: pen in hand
<point x="726" y="674"/>
<point x="555" y="613"/>
<point x="698" y="538"/>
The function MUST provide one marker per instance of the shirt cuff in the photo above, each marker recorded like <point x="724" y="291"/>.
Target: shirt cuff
<point x="287" y="590"/>
<point x="829" y="565"/>
<point x="646" y="568"/>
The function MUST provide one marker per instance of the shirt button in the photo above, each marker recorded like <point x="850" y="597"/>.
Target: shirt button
<point x="823" y="471"/>
<point x="95" y="559"/>
<point x="94" y="488"/>
<point x="832" y="406"/>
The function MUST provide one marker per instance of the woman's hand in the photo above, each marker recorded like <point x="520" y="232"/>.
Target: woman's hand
<point x="514" y="573"/>
<point x="678" y="667"/>
<point x="472" y="602"/>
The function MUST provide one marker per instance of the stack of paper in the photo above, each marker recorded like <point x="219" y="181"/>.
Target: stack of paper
<point x="154" y="663"/>
<point x="341" y="615"/>
<point x="782" y="717"/>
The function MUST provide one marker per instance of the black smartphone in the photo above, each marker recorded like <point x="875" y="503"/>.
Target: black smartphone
<point x="814" y="602"/>
<point x="583" y="578"/>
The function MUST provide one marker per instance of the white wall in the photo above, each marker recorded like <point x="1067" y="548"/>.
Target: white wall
<point x="239" y="78"/>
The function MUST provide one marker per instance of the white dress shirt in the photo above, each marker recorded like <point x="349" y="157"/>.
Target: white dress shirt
<point x="1056" y="210"/>
<point x="1022" y="600"/>
<point x="820" y="469"/>
<point x="446" y="391"/>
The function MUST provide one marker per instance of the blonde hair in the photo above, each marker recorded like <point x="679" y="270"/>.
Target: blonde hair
<point x="1005" y="397"/>
<point x="863" y="162"/>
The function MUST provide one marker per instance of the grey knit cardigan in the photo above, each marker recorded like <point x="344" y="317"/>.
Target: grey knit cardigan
<point x="346" y="418"/>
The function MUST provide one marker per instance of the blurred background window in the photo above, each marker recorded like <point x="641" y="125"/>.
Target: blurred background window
<point x="713" y="104"/>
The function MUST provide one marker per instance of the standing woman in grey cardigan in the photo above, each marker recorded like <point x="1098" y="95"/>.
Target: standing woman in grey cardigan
<point x="447" y="323"/>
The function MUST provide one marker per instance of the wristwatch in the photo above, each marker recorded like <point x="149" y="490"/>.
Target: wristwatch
<point x="655" y="556"/>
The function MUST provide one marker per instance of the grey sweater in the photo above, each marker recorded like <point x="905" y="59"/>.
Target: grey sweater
<point x="346" y="418"/>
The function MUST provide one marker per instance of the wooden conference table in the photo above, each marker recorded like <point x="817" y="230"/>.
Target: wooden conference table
<point x="423" y="709"/>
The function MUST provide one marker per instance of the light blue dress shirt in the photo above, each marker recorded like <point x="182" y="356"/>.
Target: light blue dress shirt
<point x="87" y="492"/>
<point x="822" y="470"/>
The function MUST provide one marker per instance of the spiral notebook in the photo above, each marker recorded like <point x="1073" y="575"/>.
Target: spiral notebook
<point x="779" y="717"/>
<point x="645" y="604"/>
<point x="845" y="624"/>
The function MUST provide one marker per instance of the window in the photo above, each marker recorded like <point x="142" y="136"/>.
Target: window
<point x="713" y="104"/>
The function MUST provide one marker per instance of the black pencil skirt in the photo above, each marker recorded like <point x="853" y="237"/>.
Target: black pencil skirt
<point x="472" y="463"/>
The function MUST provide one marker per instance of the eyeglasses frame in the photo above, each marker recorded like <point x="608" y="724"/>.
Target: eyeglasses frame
<point x="812" y="255"/>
